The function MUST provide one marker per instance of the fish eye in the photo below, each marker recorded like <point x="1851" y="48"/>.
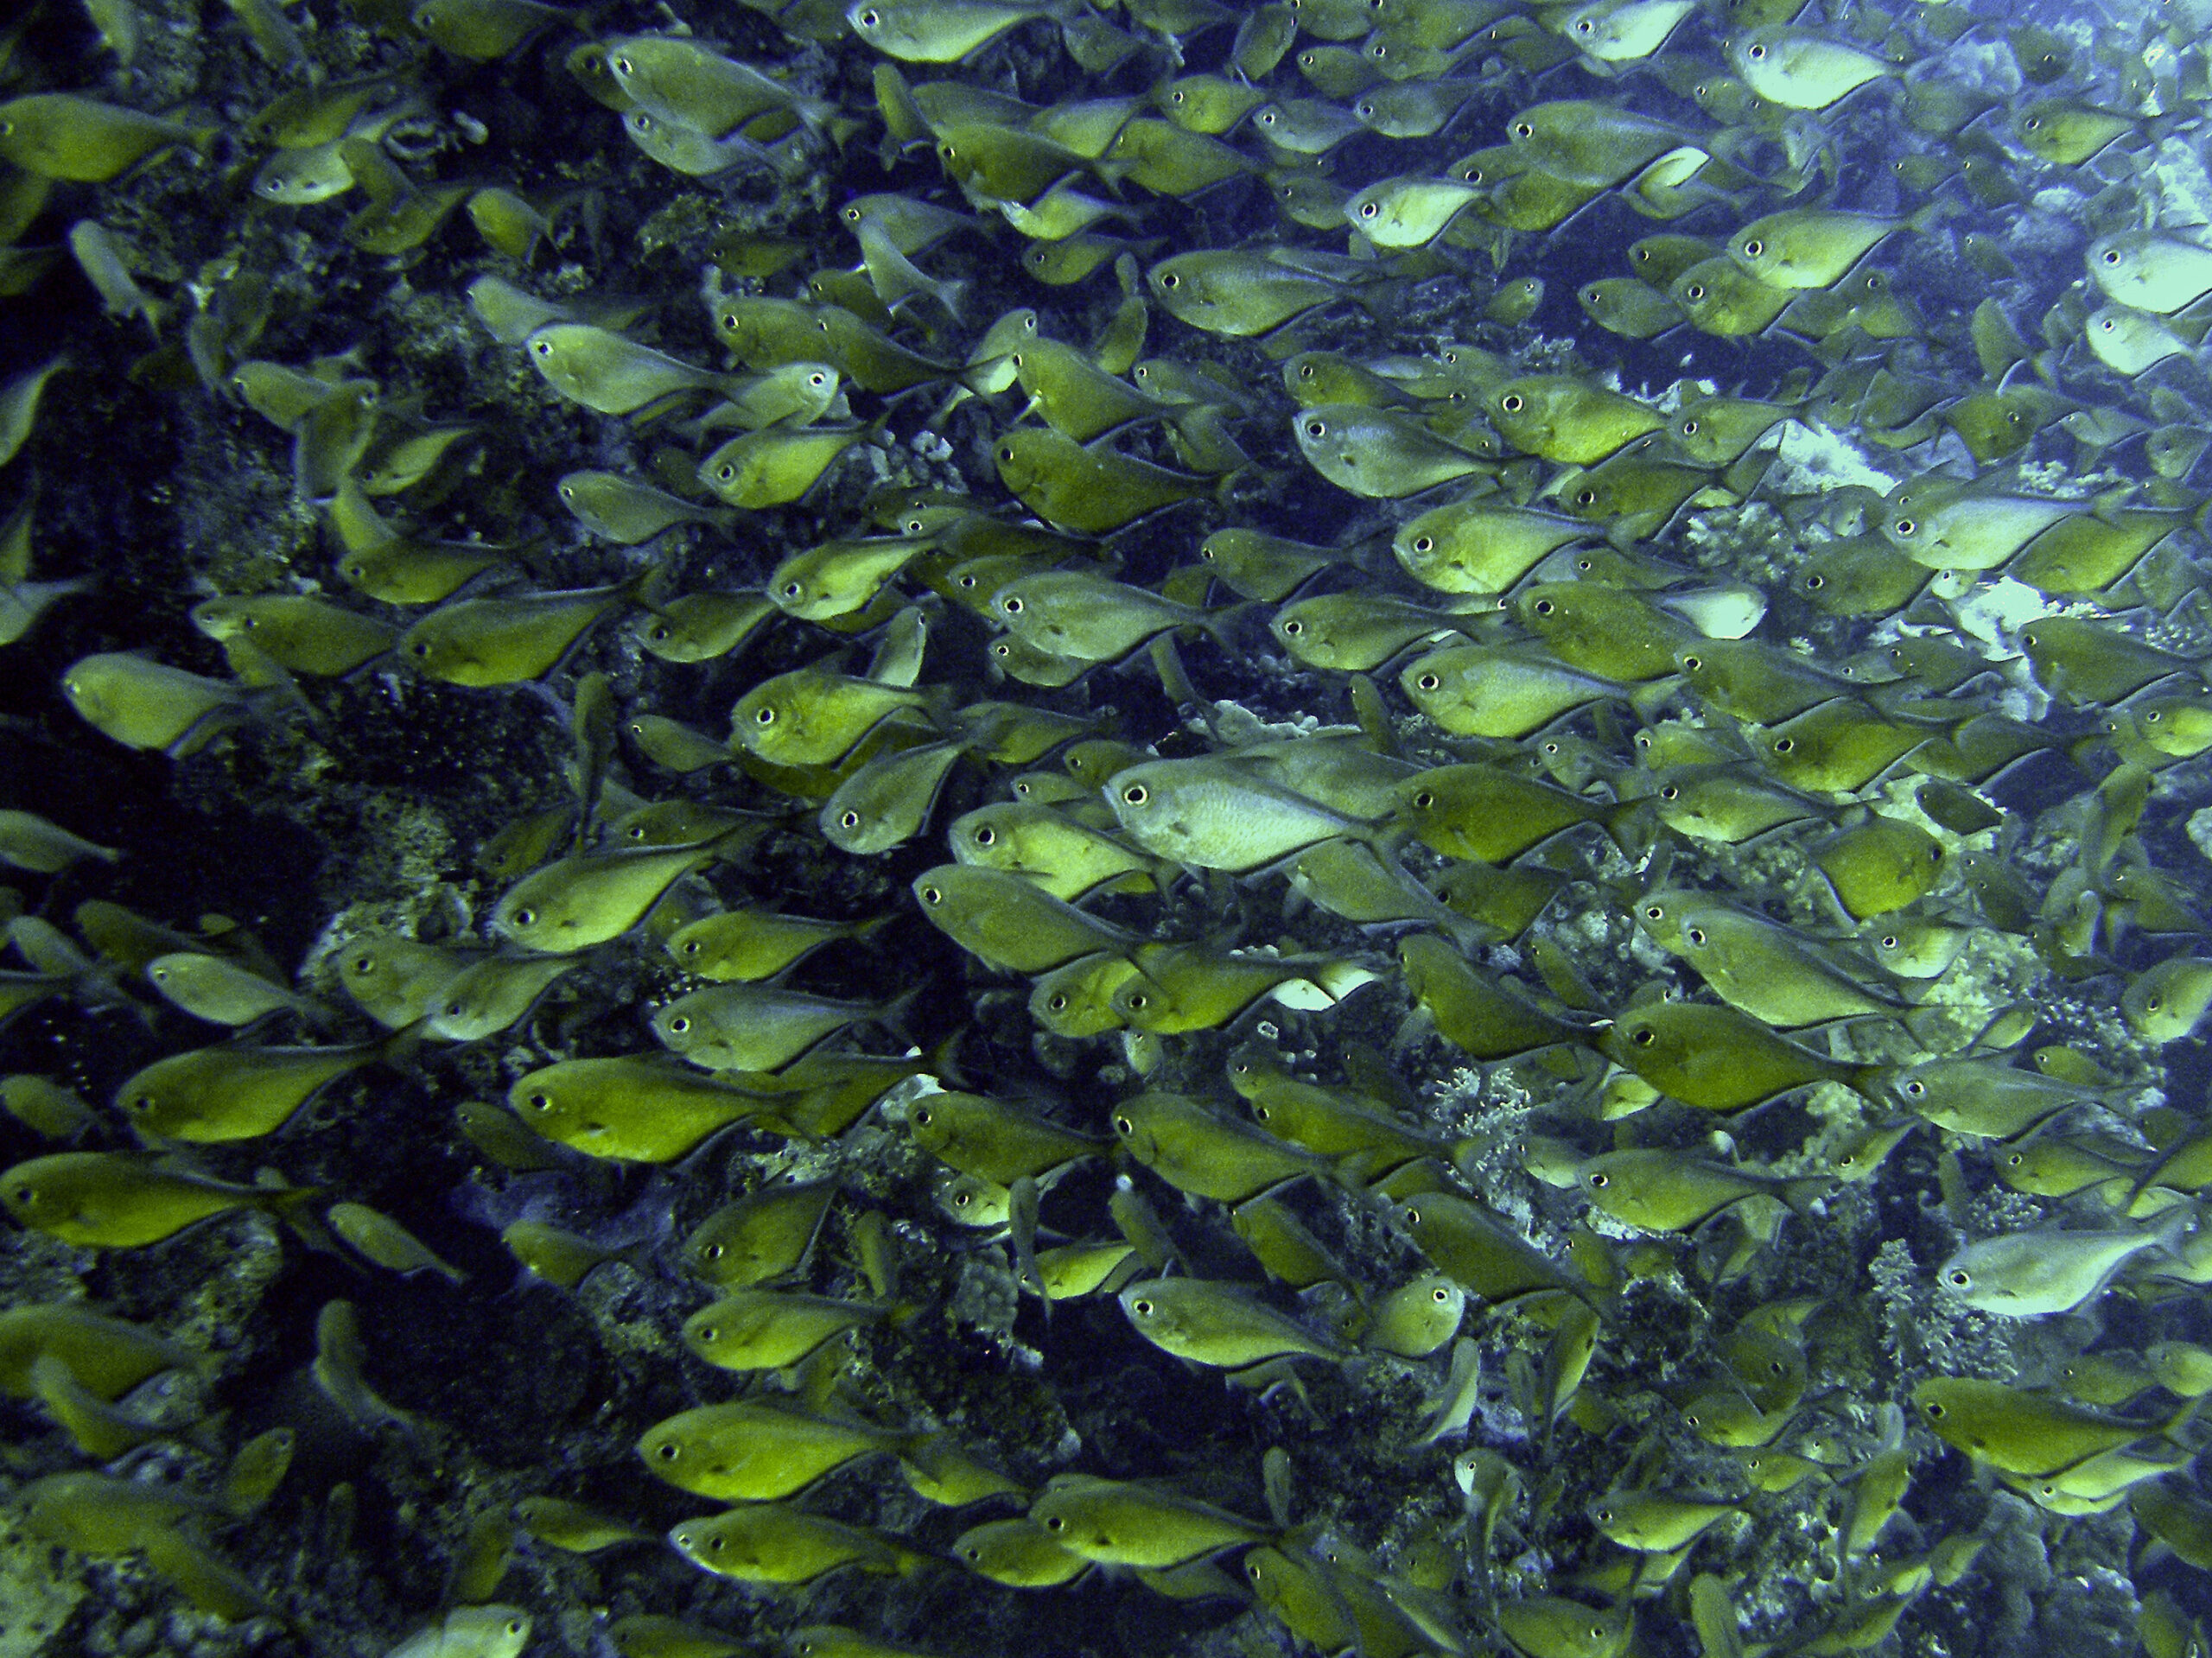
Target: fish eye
<point x="932" y="895"/>
<point x="1442" y="1296"/>
<point x="1694" y="291"/>
<point x="516" y="1626"/>
<point x="1891" y="941"/>
<point x="1959" y="1279"/>
<point x="1586" y="497"/>
<point x="1512" y="403"/>
<point x="1056" y="1522"/>
<point x="679" y="1025"/>
<point x="766" y="717"/>
<point x="419" y="647"/>
<point x="1907" y="527"/>
<point x="2112" y="255"/>
<point x="726" y="471"/>
<point x="1316" y="429"/>
<point x="1695" y="935"/>
<point x="1599" y="1182"/>
<point x="1135" y="795"/>
<point x="542" y="347"/>
<point x="1655" y="912"/>
<point x="1294" y="627"/>
<point x="1522" y="130"/>
<point x="1672" y="791"/>
<point x="1005" y="453"/>
<point x="1428" y="681"/>
<point x="793" y="589"/>
<point x="1584" y="26"/>
<point x="870" y="18"/>
<point x="1143" y="1309"/>
<point x="706" y="1332"/>
<point x="1058" y="1004"/>
<point x="525" y="916"/>
<point x="1693" y="663"/>
<point x="1011" y="604"/>
<point x="1424" y="544"/>
<point x="1123" y="1126"/>
<point x="1176" y="97"/>
<point x="1690" y="426"/>
<point x="666" y="1451"/>
<point x="1814" y="582"/>
<point x="1753" y="248"/>
<point x="1644" y="1038"/>
<point x="1543" y="606"/>
<point x="851" y="820"/>
<point x="1916" y="1089"/>
<point x="1366" y="109"/>
<point x="1756" y="53"/>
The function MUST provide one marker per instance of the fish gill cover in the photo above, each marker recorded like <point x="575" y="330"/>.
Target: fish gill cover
<point x="967" y="827"/>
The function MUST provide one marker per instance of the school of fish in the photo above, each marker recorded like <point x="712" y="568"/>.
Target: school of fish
<point x="929" y="828"/>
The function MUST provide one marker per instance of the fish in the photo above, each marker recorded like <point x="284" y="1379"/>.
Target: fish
<point x="1215" y="1324"/>
<point x="122" y="1200"/>
<point x="630" y="1106"/>
<point x="81" y="140"/>
<point x="749" y="1027"/>
<point x="1112" y="1522"/>
<point x="1659" y="1190"/>
<point x="2045" y="1270"/>
<point x="745" y="1451"/>
<point x="213" y="1095"/>
<point x="767" y="1330"/>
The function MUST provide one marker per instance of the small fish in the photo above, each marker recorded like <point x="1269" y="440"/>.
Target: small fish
<point x="492" y="1630"/>
<point x="222" y="991"/>
<point x="772" y="1543"/>
<point x="610" y="374"/>
<point x="627" y="511"/>
<point x="632" y="1107"/>
<point x="1115" y="1524"/>
<point x="380" y="1239"/>
<point x="30" y="842"/>
<point x="738" y="1027"/>
<point x="506" y="641"/>
<point x="2046" y="1270"/>
<point x="121" y="1200"/>
<point x="145" y="704"/>
<point x="747" y="1451"/>
<point x="1219" y="1324"/>
<point x="588" y="898"/>
<point x="213" y="1095"/>
<point x="769" y="1329"/>
<point x="62" y="135"/>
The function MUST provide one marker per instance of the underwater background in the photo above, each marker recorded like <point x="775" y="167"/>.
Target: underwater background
<point x="964" y="828"/>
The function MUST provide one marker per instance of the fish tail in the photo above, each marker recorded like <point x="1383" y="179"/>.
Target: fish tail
<point x="1801" y="1194"/>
